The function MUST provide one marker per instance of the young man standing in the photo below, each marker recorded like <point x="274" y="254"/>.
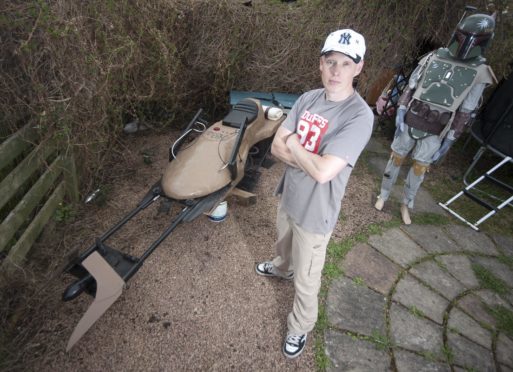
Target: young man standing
<point x="320" y="141"/>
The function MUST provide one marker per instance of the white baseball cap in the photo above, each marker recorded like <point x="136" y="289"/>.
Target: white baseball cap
<point x="346" y="41"/>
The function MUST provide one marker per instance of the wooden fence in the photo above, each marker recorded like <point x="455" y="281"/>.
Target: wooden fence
<point x="35" y="178"/>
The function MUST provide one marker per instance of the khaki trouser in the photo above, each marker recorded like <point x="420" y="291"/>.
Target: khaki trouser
<point x="304" y="253"/>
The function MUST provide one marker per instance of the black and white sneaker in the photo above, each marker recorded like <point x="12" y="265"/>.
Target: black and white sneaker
<point x="267" y="269"/>
<point x="294" y="345"/>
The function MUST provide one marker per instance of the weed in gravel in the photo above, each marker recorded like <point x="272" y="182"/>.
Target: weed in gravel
<point x="338" y="250"/>
<point x="448" y="353"/>
<point x="358" y="281"/>
<point x="503" y="317"/>
<point x="429" y="356"/>
<point x="382" y="342"/>
<point x="321" y="359"/>
<point x="416" y="312"/>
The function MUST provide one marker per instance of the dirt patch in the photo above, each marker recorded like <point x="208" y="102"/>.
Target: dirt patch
<point x="197" y="303"/>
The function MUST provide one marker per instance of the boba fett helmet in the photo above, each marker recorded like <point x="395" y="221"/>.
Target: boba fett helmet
<point x="472" y="36"/>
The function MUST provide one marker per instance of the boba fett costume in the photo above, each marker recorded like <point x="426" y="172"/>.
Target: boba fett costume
<point x="443" y="91"/>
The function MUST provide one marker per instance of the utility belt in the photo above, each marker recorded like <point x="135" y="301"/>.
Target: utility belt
<point x="422" y="117"/>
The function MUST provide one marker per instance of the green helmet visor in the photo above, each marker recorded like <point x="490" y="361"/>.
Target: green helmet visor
<point x="464" y="45"/>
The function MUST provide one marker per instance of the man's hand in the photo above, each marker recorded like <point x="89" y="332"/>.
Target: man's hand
<point x="280" y="149"/>
<point x="399" y="120"/>
<point x="321" y="168"/>
<point x="292" y="141"/>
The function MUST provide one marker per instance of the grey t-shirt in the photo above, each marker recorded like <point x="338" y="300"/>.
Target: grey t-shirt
<point x="341" y="129"/>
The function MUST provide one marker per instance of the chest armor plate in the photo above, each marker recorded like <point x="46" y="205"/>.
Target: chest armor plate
<point x="444" y="81"/>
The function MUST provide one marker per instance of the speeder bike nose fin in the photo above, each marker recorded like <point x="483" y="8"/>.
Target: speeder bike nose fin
<point x="109" y="287"/>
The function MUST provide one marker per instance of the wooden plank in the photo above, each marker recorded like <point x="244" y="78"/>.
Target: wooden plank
<point x="70" y="176"/>
<point x="23" y="171"/>
<point x="16" y="144"/>
<point x="245" y="197"/>
<point x="23" y="245"/>
<point x="32" y="198"/>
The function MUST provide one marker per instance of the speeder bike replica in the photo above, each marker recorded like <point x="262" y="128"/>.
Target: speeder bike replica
<point x="199" y="177"/>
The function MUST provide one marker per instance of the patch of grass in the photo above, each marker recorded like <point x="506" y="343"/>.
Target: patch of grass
<point x="322" y="319"/>
<point x="338" y="251"/>
<point x="382" y="342"/>
<point x="448" y="354"/>
<point x="358" y="281"/>
<point x="488" y="280"/>
<point x="416" y="311"/>
<point x="504" y="318"/>
<point x="321" y="359"/>
<point x="331" y="271"/>
<point x="427" y="218"/>
<point x="374" y="229"/>
<point x="506" y="260"/>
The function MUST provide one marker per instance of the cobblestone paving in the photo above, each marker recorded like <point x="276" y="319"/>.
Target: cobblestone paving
<point x="416" y="308"/>
<point x="409" y="300"/>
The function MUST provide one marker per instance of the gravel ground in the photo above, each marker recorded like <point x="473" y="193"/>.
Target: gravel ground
<point x="197" y="303"/>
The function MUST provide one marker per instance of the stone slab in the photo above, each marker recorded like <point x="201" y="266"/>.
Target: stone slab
<point x="505" y="368"/>
<point x="472" y="241"/>
<point x="407" y="362"/>
<point x="498" y="269"/>
<point x="431" y="274"/>
<point x="397" y="246"/>
<point x="410" y="292"/>
<point x="504" y="350"/>
<point x="505" y="243"/>
<point x="465" y="325"/>
<point x="348" y="353"/>
<point x="378" y="165"/>
<point x="376" y="146"/>
<point x="474" y="306"/>
<point x="376" y="270"/>
<point x="424" y="202"/>
<point x="355" y="308"/>
<point x="432" y="238"/>
<point x="492" y="299"/>
<point x="468" y="354"/>
<point x="414" y="333"/>
<point x="460" y="267"/>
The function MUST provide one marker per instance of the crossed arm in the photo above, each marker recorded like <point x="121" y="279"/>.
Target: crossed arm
<point x="322" y="168"/>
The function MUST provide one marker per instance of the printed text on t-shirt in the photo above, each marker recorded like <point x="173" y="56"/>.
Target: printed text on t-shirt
<point x="311" y="128"/>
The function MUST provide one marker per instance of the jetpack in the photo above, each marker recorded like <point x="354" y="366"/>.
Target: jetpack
<point x="198" y="177"/>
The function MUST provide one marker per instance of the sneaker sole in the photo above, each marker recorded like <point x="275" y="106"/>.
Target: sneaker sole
<point x="292" y="356"/>
<point x="272" y="275"/>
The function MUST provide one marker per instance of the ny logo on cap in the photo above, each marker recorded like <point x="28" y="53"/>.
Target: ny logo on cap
<point x="344" y="38"/>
